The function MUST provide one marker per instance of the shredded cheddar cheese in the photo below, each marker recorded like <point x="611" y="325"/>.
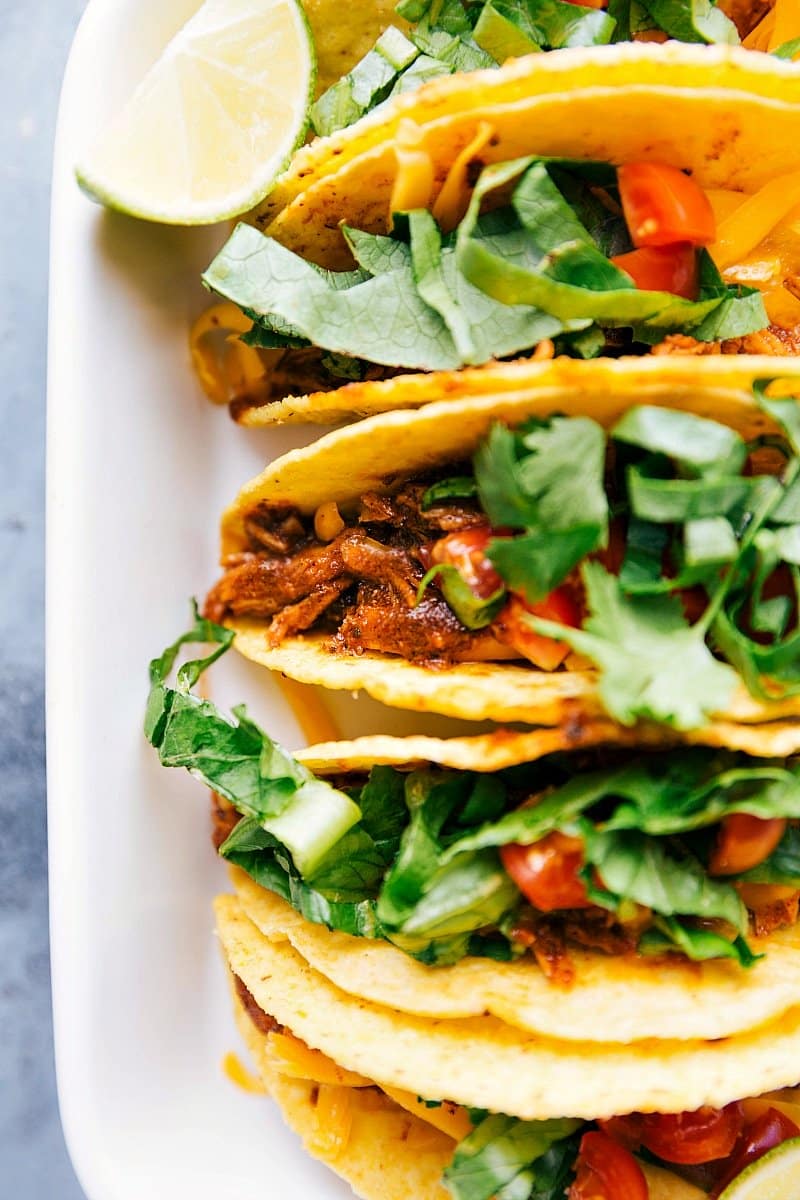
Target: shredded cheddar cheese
<point x="292" y="1057"/>
<point x="780" y="25"/>
<point x="786" y="23"/>
<point x="757" y="216"/>
<point x="239" y="1074"/>
<point x="224" y="365"/>
<point x="334" y="1121"/>
<point x="451" y="203"/>
<point x="413" y="185"/>
<point x="447" y="1117"/>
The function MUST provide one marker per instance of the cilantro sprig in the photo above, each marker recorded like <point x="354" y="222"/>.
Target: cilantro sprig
<point x="693" y="520"/>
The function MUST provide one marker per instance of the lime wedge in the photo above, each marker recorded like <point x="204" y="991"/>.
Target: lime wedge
<point x="214" y="120"/>
<point x="776" y="1176"/>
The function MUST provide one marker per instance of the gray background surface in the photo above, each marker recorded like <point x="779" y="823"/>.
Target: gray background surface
<point x="34" y="41"/>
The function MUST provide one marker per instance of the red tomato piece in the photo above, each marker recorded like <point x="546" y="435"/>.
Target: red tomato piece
<point x="466" y="551"/>
<point x="766" y="1132"/>
<point x="663" y="269"/>
<point x="589" y="3"/>
<point x="743" y="842"/>
<point x="544" y="652"/>
<point x="547" y="872"/>
<point x="690" y="1138"/>
<point x="663" y="206"/>
<point x="607" y="1171"/>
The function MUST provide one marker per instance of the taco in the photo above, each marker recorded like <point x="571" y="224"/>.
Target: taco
<point x="618" y="550"/>
<point x="477" y="888"/>
<point x="610" y="202"/>
<point x="390" y="1144"/>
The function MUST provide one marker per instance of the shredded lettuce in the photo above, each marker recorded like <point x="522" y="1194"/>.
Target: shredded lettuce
<point x="510" y="1159"/>
<point x="535" y="268"/>
<point x="412" y="857"/>
<point x="464" y="35"/>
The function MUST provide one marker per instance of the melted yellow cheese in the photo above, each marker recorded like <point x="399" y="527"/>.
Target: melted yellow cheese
<point x="453" y="199"/>
<point x="447" y="1117"/>
<point x="413" y="184"/>
<point x="750" y="222"/>
<point x="239" y="1074"/>
<point x="786" y="23"/>
<point x="292" y="1057"/>
<point x="224" y="365"/>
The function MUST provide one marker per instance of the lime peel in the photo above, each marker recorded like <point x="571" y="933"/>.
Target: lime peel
<point x="214" y="121"/>
<point x="775" y="1176"/>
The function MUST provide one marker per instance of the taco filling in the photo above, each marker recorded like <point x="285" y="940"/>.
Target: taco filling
<point x="446" y="36"/>
<point x="546" y="257"/>
<point x="687" y="853"/>
<point x="661" y="550"/>
<point x="686" y="1155"/>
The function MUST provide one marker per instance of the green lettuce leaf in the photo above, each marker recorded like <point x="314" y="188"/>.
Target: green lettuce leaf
<point x="541" y="255"/>
<point x="501" y="1150"/>
<point x="378" y="313"/>
<point x="698" y="944"/>
<point x="692" y="20"/>
<point x="239" y="760"/>
<point x="474" y="612"/>
<point x="661" y="877"/>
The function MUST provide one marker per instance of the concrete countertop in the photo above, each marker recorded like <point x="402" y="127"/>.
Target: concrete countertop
<point x="34" y="40"/>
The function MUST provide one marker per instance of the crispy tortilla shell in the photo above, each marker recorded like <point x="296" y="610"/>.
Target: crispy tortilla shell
<point x="730" y="374"/>
<point x="630" y="999"/>
<point x="565" y="701"/>
<point x="629" y="101"/>
<point x="483" y="1062"/>
<point x="340" y="44"/>
<point x="390" y="1154"/>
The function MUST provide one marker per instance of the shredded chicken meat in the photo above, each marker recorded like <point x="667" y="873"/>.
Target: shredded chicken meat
<point x="773" y="340"/>
<point x="361" y="586"/>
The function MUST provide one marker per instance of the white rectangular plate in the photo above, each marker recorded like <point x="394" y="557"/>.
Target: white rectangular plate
<point x="139" y="468"/>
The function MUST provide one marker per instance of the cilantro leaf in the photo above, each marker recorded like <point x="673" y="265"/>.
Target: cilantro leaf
<point x="548" y="480"/>
<point x="646" y="652"/>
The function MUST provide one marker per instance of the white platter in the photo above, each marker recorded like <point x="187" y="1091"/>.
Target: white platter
<point x="139" y="467"/>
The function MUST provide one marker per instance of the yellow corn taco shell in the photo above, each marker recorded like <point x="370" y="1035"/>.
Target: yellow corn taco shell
<point x="542" y="380"/>
<point x="630" y="999"/>
<point x="346" y="463"/>
<point x="728" y="116"/>
<point x="485" y="1063"/>
<point x="383" y="1150"/>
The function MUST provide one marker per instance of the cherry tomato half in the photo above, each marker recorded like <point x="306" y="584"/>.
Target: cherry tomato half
<point x="547" y="872"/>
<point x="663" y="269"/>
<point x="606" y="1171"/>
<point x="743" y="842"/>
<point x="688" y="1138"/>
<point x="766" y="1132"/>
<point x="589" y="3"/>
<point x="544" y="652"/>
<point x="663" y="206"/>
<point x="466" y="551"/>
